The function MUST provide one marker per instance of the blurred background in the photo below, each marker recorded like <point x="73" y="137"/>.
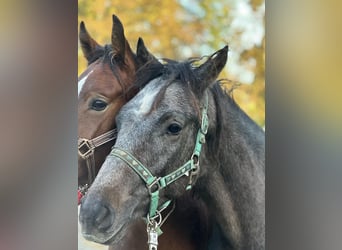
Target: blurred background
<point x="188" y="28"/>
<point x="38" y="108"/>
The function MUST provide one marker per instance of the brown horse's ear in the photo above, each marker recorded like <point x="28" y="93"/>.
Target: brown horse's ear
<point x="209" y="71"/>
<point x="143" y="55"/>
<point x="88" y="44"/>
<point x="118" y="38"/>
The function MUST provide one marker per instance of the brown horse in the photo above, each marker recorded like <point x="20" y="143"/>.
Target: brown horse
<point x="103" y="88"/>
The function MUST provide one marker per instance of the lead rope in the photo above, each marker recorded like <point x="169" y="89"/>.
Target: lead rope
<point x="154" y="184"/>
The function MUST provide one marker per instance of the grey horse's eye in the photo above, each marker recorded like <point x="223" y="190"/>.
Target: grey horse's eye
<point x="174" y="129"/>
<point x="98" y="105"/>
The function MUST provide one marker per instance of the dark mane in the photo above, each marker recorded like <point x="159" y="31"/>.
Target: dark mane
<point x="220" y="93"/>
<point x="99" y="52"/>
<point x="169" y="71"/>
<point x="181" y="71"/>
<point x="147" y="73"/>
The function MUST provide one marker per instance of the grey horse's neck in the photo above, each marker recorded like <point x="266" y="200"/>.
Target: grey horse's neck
<point x="233" y="175"/>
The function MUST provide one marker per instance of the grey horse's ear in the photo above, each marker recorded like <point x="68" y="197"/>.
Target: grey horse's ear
<point x="208" y="72"/>
<point x="118" y="38"/>
<point x="148" y="66"/>
<point x="143" y="55"/>
<point x="88" y="44"/>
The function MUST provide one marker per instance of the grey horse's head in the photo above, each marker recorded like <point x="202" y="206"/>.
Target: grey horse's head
<point x="158" y="127"/>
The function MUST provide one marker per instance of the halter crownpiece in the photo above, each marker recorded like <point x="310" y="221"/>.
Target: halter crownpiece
<point x="191" y="168"/>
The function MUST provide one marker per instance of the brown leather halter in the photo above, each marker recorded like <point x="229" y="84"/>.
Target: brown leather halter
<point x="86" y="150"/>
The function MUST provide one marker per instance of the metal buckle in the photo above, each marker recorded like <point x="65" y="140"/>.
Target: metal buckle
<point x="195" y="159"/>
<point x="194" y="171"/>
<point x="155" y="182"/>
<point x="85" y="148"/>
<point x="204" y="124"/>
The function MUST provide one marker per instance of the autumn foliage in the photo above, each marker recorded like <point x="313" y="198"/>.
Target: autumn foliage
<point x="182" y="29"/>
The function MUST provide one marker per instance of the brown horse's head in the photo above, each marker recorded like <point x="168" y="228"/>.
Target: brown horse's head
<point x="103" y="88"/>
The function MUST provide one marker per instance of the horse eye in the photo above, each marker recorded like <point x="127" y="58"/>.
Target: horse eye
<point x="98" y="105"/>
<point x="174" y="129"/>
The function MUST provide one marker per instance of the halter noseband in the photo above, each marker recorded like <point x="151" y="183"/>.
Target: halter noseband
<point x="86" y="150"/>
<point x="154" y="184"/>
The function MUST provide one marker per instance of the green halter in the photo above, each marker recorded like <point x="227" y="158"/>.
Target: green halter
<point x="153" y="183"/>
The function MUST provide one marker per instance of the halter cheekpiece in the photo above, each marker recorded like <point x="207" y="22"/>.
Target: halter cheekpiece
<point x="86" y="150"/>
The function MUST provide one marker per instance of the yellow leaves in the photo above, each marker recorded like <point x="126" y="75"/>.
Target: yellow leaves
<point x="248" y="98"/>
<point x="177" y="31"/>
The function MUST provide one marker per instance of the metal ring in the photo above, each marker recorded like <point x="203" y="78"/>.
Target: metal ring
<point x="150" y="186"/>
<point x="152" y="220"/>
<point x="195" y="159"/>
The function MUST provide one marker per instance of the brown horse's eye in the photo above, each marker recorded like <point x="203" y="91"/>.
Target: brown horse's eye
<point x="98" y="105"/>
<point x="174" y="129"/>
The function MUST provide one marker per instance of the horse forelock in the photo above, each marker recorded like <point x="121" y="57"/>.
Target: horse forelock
<point x="122" y="70"/>
<point x="172" y="72"/>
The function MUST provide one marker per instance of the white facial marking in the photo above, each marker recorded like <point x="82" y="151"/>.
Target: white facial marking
<point x="146" y="97"/>
<point x="82" y="81"/>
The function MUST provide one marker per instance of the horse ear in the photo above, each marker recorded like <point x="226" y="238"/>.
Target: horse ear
<point x="88" y="44"/>
<point x="143" y="55"/>
<point x="209" y="71"/>
<point x="118" y="38"/>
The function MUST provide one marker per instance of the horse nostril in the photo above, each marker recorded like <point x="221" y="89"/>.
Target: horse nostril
<point x="105" y="224"/>
<point x="104" y="218"/>
<point x="96" y="215"/>
<point x="101" y="215"/>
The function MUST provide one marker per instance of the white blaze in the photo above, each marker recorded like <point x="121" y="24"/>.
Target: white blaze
<point x="147" y="96"/>
<point x="82" y="81"/>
